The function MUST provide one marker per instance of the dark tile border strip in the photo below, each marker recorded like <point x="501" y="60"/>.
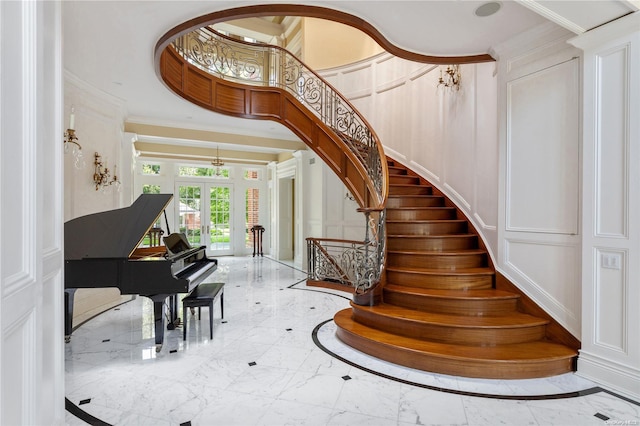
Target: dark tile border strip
<point x="584" y="392"/>
<point x="83" y="415"/>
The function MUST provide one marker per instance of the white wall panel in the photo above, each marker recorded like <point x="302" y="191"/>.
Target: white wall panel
<point x="459" y="138"/>
<point x="610" y="351"/>
<point x="356" y="80"/>
<point x="31" y="262"/>
<point x="610" y="291"/>
<point x="486" y="150"/>
<point x="612" y="144"/>
<point x="551" y="269"/>
<point x="426" y="125"/>
<point x="543" y="141"/>
<point x="19" y="370"/>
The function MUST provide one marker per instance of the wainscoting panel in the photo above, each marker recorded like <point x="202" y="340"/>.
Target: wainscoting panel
<point x="612" y="145"/>
<point x="611" y="289"/>
<point x="550" y="271"/>
<point x="543" y="141"/>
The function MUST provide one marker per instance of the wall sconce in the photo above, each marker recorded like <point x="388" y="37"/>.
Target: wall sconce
<point x="450" y="77"/>
<point x="102" y="176"/>
<point x="71" y="144"/>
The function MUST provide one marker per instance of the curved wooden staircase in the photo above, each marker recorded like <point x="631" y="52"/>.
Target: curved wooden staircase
<point x="444" y="308"/>
<point x="440" y="309"/>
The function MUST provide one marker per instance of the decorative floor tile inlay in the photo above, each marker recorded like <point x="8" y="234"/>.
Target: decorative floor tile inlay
<point x="290" y="375"/>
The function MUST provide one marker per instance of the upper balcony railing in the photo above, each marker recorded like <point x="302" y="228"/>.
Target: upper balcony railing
<point x="271" y="66"/>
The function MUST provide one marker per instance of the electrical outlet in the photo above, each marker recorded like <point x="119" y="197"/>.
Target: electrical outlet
<point x="611" y="260"/>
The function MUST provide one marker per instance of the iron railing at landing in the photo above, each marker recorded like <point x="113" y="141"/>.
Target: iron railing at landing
<point x="362" y="263"/>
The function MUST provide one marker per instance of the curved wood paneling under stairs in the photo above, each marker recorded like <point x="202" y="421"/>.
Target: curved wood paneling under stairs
<point x="441" y="311"/>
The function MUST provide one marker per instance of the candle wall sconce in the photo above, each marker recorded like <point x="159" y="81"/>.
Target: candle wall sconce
<point x="102" y="176"/>
<point x="71" y="144"/>
<point x="450" y="77"/>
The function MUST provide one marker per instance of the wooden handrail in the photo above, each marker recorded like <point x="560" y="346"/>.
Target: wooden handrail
<point x="280" y="88"/>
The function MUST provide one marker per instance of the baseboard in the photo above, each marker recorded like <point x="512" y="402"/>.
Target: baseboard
<point x="615" y="377"/>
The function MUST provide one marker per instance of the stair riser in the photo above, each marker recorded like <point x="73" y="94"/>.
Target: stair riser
<point x="435" y="260"/>
<point x="399" y="202"/>
<point x="421" y="214"/>
<point x="433" y="243"/>
<point x="403" y="180"/>
<point x="444" y="333"/>
<point x="409" y="190"/>
<point x="423" y="228"/>
<point x="523" y="369"/>
<point x="479" y="307"/>
<point x="444" y="282"/>
<point x="394" y="171"/>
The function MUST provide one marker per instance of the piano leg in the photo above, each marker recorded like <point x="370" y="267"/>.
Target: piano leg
<point x="69" y="294"/>
<point x="158" y="315"/>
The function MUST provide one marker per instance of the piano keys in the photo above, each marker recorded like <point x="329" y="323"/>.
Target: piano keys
<point x="102" y="250"/>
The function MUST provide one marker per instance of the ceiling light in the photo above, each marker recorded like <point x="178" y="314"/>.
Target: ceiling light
<point x="488" y="9"/>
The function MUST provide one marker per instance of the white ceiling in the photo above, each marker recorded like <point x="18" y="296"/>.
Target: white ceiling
<point x="109" y="44"/>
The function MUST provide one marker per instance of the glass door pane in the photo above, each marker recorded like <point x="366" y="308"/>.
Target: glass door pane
<point x="189" y="213"/>
<point x="220" y="235"/>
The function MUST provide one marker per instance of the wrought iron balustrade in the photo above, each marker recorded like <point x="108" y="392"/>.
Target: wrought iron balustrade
<point x="359" y="264"/>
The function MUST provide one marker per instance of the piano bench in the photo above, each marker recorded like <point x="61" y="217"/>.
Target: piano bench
<point x="202" y="296"/>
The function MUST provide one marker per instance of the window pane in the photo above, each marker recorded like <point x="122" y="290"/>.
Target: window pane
<point x="252" y="197"/>
<point x="151" y="169"/>
<point x="251" y="174"/>
<point x="220" y="228"/>
<point x="150" y="189"/>
<point x="189" y="211"/>
<point x="196" y="171"/>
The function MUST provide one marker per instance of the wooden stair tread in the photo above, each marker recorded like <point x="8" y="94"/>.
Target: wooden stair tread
<point x="461" y="235"/>
<point x="421" y="208"/>
<point x="510" y="353"/>
<point x="513" y="320"/>
<point x="428" y="271"/>
<point x="429" y="221"/>
<point x="415" y="195"/>
<point x="439" y="252"/>
<point x="472" y="294"/>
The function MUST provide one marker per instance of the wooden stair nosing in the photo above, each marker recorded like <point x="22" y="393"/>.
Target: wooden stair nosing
<point x="514" y="361"/>
<point x="479" y="294"/>
<point x="430" y="271"/>
<point x="472" y="302"/>
<point x="452" y="253"/>
<point x="515" y="320"/>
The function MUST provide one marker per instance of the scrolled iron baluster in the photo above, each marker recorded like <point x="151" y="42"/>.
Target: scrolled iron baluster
<point x="361" y="264"/>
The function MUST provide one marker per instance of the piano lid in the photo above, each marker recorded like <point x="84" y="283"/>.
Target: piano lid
<point x="113" y="233"/>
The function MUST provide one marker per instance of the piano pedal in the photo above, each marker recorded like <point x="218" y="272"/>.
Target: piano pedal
<point x="193" y="311"/>
<point x="158" y="347"/>
<point x="67" y="339"/>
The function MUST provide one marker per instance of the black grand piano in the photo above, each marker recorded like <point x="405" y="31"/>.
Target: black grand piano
<point x="102" y="250"/>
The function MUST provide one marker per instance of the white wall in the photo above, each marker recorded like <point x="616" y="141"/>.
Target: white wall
<point x="31" y="239"/>
<point x="448" y="137"/>
<point x="553" y="190"/>
<point x="540" y="157"/>
<point x="610" y="351"/>
<point x="99" y="122"/>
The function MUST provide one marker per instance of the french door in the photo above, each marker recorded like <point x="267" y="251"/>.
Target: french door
<point x="204" y="215"/>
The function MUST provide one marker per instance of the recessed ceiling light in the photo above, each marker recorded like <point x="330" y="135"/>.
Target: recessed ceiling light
<point x="488" y="9"/>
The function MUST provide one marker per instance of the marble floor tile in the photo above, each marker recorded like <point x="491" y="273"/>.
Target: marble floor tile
<point x="274" y="359"/>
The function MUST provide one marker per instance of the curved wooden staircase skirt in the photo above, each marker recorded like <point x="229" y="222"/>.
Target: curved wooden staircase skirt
<point x="268" y="103"/>
<point x="444" y="309"/>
